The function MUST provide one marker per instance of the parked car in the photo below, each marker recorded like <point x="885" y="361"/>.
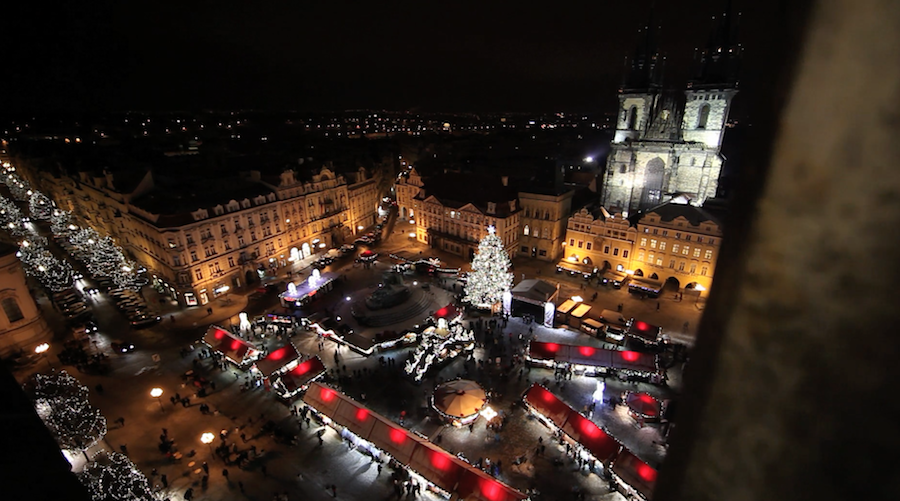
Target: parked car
<point x="145" y="321"/>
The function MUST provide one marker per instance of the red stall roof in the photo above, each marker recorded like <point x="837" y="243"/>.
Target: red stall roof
<point x="643" y="404"/>
<point x="636" y="473"/>
<point x="302" y="374"/>
<point x="581" y="429"/>
<point x="547" y="404"/>
<point x="277" y="359"/>
<point x="588" y="355"/>
<point x="432" y="462"/>
<point x="448" y="312"/>
<point x="591" y="436"/>
<point x="225" y="343"/>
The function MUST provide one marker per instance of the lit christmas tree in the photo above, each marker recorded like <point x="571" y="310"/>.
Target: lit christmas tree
<point x="114" y="478"/>
<point x="61" y="222"/>
<point x="490" y="276"/>
<point x="62" y="403"/>
<point x="40" y="206"/>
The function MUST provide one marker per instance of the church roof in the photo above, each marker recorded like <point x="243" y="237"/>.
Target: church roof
<point x="670" y="211"/>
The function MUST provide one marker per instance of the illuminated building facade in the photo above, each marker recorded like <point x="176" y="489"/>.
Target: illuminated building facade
<point x="665" y="145"/>
<point x="22" y="325"/>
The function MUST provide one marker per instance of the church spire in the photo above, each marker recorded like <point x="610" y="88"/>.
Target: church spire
<point x="718" y="64"/>
<point x="644" y="73"/>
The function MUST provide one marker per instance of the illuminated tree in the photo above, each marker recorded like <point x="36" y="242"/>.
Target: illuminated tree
<point x="40" y="206"/>
<point x="62" y="403"/>
<point x="115" y="478"/>
<point x="490" y="276"/>
<point x="61" y="222"/>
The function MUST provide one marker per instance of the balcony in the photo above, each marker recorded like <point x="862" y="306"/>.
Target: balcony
<point x="206" y="238"/>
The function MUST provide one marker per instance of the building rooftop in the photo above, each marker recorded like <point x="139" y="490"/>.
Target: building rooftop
<point x="670" y="211"/>
<point x="174" y="200"/>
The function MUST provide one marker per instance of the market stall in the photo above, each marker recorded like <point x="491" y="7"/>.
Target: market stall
<point x="591" y="326"/>
<point x="438" y="469"/>
<point x="644" y="332"/>
<point x="278" y="360"/>
<point x="592" y="361"/>
<point x="237" y="351"/>
<point x="531" y="297"/>
<point x="297" y="379"/>
<point x="300" y="294"/>
<point x="633" y="477"/>
<point x="643" y="406"/>
<point x="575" y="318"/>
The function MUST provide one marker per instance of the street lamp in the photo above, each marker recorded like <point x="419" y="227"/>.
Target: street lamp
<point x="156" y="393"/>
<point x="41" y="350"/>
<point x="207" y="438"/>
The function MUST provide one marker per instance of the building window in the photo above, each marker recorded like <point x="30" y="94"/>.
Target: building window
<point x="681" y="266"/>
<point x="703" y="116"/>
<point x="252" y="236"/>
<point x="641" y="256"/>
<point x="227" y="245"/>
<point x="653" y="243"/>
<point x="687" y="237"/>
<point x="580" y="244"/>
<point x="616" y="251"/>
<point x="176" y="260"/>
<point x="696" y="251"/>
<point x="193" y="256"/>
<point x="231" y="262"/>
<point x="675" y="248"/>
<point x="571" y="242"/>
<point x="650" y="258"/>
<point x="525" y="231"/>
<point x="693" y="268"/>
<point x="588" y="246"/>
<point x="662" y="246"/>
<point x="643" y="242"/>
<point x="707" y="254"/>
<point x="678" y="235"/>
<point x="241" y="240"/>
<point x="685" y="250"/>
<point x="12" y="310"/>
<point x="704" y="270"/>
<point x="189" y="238"/>
<point x="672" y="264"/>
<point x="712" y="241"/>
<point x="606" y="249"/>
<point x="198" y="273"/>
<point x="524" y="249"/>
<point x="655" y="231"/>
<point x="625" y="254"/>
<point x="542" y="252"/>
<point x="659" y="261"/>
<point x="699" y="240"/>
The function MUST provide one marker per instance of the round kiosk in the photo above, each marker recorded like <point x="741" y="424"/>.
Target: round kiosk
<point x="459" y="401"/>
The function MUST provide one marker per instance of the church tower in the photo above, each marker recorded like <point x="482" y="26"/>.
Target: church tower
<point x="665" y="146"/>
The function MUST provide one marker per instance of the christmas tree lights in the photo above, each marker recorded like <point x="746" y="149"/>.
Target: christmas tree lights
<point x="490" y="276"/>
<point x="62" y="403"/>
<point x="40" y="206"/>
<point x="115" y="478"/>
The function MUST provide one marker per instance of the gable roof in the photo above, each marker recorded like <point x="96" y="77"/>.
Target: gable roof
<point x="670" y="211"/>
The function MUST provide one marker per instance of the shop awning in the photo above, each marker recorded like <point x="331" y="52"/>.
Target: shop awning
<point x="227" y="344"/>
<point x="581" y="310"/>
<point x="636" y="473"/>
<point x="277" y="359"/>
<point x="301" y="375"/>
<point x="547" y="404"/>
<point x="437" y="465"/>
<point x="566" y="307"/>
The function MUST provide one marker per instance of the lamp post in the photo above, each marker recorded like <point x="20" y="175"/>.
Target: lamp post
<point x="156" y="393"/>
<point x="41" y="350"/>
<point x="207" y="438"/>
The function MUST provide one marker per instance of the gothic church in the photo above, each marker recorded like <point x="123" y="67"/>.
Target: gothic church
<point x="665" y="146"/>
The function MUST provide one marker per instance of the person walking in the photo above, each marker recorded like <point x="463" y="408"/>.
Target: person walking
<point x="333" y="490"/>
<point x="164" y="480"/>
<point x="657" y="306"/>
<point x="205" y="467"/>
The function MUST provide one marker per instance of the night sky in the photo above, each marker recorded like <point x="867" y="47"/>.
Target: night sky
<point x="301" y="55"/>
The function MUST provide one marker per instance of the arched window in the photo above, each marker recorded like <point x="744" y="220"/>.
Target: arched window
<point x="12" y="310"/>
<point x="703" y="116"/>
<point x="632" y="119"/>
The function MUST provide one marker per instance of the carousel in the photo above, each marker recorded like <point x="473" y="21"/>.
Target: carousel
<point x="459" y="401"/>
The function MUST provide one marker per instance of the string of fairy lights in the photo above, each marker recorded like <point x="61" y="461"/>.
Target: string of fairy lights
<point x="100" y="255"/>
<point x="490" y="276"/>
